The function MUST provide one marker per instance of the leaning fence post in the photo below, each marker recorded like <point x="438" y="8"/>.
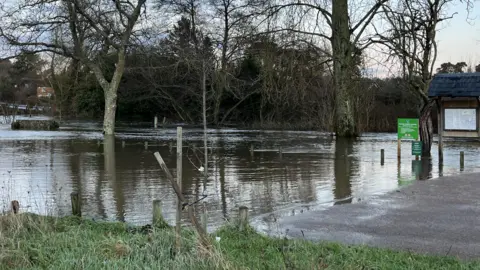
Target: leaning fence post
<point x="204" y="218"/>
<point x="75" y="199"/>
<point x="243" y="218"/>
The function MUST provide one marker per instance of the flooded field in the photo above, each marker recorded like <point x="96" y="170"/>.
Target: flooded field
<point x="40" y="169"/>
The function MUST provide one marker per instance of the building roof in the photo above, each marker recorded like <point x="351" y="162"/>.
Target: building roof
<point x="455" y="85"/>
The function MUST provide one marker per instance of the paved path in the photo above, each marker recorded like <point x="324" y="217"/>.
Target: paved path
<point x="439" y="216"/>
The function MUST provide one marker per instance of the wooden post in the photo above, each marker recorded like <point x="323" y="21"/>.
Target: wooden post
<point x="146" y="145"/>
<point x="123" y="144"/>
<point x="203" y="236"/>
<point x="157" y="212"/>
<point x="179" y="182"/>
<point x="416" y="156"/>
<point x="155" y="122"/>
<point x="204" y="218"/>
<point x="462" y="159"/>
<point x="382" y="156"/>
<point x="15" y="206"/>
<point x="440" y="132"/>
<point x="399" y="149"/>
<point x="76" y="207"/>
<point x="440" y="169"/>
<point x="243" y="218"/>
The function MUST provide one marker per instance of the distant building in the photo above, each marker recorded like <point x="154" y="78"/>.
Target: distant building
<point x="45" y="92"/>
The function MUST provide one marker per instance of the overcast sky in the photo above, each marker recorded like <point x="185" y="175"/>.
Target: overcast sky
<point x="459" y="39"/>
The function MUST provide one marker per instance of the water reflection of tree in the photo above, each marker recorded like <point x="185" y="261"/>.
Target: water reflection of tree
<point x="422" y="168"/>
<point x="220" y="165"/>
<point x="74" y="160"/>
<point x="343" y="169"/>
<point x="111" y="175"/>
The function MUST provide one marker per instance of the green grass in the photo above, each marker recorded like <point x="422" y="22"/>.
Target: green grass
<point x="35" y="242"/>
<point x="257" y="251"/>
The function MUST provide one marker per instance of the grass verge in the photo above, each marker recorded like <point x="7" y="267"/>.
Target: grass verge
<point x="30" y="241"/>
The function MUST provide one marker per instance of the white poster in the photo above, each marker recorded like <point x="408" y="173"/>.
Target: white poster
<point x="460" y="119"/>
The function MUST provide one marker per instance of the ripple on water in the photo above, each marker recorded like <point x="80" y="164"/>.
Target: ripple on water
<point x="312" y="171"/>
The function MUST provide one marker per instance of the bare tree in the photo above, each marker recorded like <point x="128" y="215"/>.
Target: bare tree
<point x="410" y="36"/>
<point x="235" y="16"/>
<point x="346" y="37"/>
<point x="85" y="31"/>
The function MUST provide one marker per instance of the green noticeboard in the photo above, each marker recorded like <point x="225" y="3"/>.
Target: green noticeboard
<point x="407" y="128"/>
<point x="416" y="148"/>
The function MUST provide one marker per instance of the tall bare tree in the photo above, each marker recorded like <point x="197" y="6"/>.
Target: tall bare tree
<point x="84" y="30"/>
<point x="346" y="37"/>
<point x="410" y="36"/>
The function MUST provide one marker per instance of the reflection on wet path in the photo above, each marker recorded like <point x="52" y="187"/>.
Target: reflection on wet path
<point x="40" y="169"/>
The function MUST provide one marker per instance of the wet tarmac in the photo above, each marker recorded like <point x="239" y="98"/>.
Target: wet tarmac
<point x="439" y="216"/>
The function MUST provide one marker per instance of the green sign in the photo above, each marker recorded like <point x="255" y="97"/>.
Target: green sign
<point x="416" y="148"/>
<point x="407" y="128"/>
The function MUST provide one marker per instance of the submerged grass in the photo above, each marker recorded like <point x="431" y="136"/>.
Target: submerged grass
<point x="30" y="241"/>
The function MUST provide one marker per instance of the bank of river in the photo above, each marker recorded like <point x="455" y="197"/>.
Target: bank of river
<point x="37" y="242"/>
<point x="40" y="169"/>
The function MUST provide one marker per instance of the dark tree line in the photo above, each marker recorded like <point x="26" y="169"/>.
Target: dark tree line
<point x="270" y="85"/>
<point x="266" y="63"/>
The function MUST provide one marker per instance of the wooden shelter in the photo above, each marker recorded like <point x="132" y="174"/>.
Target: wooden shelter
<point x="458" y="100"/>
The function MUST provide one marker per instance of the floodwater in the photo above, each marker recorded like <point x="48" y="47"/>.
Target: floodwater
<point x="41" y="168"/>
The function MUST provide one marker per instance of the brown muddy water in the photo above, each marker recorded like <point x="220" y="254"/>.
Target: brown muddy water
<point x="41" y="168"/>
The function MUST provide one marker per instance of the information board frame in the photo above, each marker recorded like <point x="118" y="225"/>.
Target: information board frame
<point x="445" y="128"/>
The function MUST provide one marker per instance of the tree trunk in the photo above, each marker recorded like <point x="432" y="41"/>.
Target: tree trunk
<point x="110" y="110"/>
<point x="223" y="72"/>
<point x="110" y="91"/>
<point x="218" y="98"/>
<point x="426" y="128"/>
<point x="204" y="109"/>
<point x="342" y="70"/>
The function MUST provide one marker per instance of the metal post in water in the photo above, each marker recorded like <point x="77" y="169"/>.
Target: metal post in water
<point x="155" y="122"/>
<point x="462" y="160"/>
<point x="382" y="156"/>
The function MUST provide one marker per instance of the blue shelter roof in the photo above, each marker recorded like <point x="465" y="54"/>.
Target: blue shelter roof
<point x="455" y="85"/>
